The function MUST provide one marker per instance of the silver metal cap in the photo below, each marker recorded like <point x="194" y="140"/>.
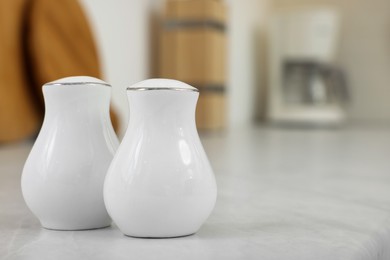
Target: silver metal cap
<point x="78" y="80"/>
<point x="162" y="84"/>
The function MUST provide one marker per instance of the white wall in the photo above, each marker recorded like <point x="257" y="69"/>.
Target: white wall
<point x="121" y="29"/>
<point x="246" y="27"/>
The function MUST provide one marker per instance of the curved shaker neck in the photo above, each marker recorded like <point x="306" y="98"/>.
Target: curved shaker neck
<point x="162" y="108"/>
<point x="76" y="98"/>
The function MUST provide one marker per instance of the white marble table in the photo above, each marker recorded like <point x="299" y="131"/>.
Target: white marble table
<point x="283" y="194"/>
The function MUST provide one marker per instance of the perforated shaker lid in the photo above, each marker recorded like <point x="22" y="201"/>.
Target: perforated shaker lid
<point x="78" y="80"/>
<point x="162" y="84"/>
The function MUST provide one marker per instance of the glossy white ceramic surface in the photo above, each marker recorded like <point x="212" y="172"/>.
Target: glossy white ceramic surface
<point x="160" y="183"/>
<point x="62" y="181"/>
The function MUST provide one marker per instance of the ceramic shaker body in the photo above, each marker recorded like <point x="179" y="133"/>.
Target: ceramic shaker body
<point x="62" y="180"/>
<point x="160" y="183"/>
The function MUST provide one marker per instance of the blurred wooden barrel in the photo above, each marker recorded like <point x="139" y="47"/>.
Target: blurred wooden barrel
<point x="193" y="50"/>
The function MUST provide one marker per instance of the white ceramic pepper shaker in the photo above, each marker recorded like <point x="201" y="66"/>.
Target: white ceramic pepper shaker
<point x="160" y="183"/>
<point x="62" y="181"/>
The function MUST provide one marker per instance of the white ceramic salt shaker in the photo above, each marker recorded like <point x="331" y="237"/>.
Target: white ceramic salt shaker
<point x="62" y="181"/>
<point x="160" y="183"/>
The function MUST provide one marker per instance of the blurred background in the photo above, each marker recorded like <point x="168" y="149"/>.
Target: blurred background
<point x="286" y="62"/>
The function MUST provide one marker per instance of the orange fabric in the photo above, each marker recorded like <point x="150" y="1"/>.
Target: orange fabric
<point x="19" y="115"/>
<point x="41" y="41"/>
<point x="60" y="43"/>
